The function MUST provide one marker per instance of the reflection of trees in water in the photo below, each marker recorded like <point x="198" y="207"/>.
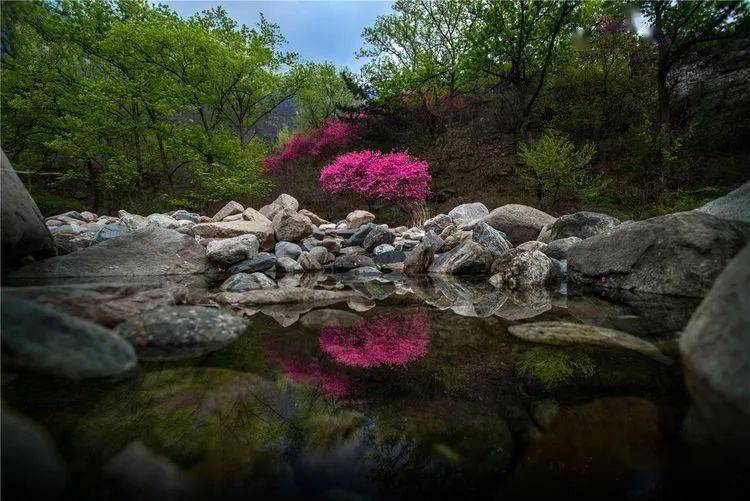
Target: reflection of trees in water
<point x="303" y="369"/>
<point x="391" y="340"/>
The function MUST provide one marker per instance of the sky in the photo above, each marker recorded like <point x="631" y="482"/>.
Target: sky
<point x="319" y="30"/>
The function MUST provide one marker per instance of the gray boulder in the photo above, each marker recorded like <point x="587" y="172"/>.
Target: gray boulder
<point x="469" y="258"/>
<point x="176" y="332"/>
<point x="519" y="269"/>
<point x="348" y="262"/>
<point x="228" y="210"/>
<point x="678" y="254"/>
<point x="581" y="224"/>
<point x="734" y="205"/>
<point x="162" y="220"/>
<point x="150" y="251"/>
<point x="288" y="265"/>
<point x="558" y="249"/>
<point x="183" y="215"/>
<point x="357" y="218"/>
<point x="359" y="235"/>
<point x="242" y="282"/>
<point x="520" y="223"/>
<point x="433" y="240"/>
<point x="378" y="236"/>
<point x="287" y="249"/>
<point x="419" y="259"/>
<point x="437" y="223"/>
<point x="468" y="213"/>
<point x="287" y="295"/>
<point x="262" y="231"/>
<point x="22" y="227"/>
<point x="134" y="222"/>
<point x="382" y="249"/>
<point x="229" y="251"/>
<point x="494" y="240"/>
<point x="109" y="231"/>
<point x="41" y="340"/>
<point x="321" y="254"/>
<point x="316" y="220"/>
<point x="260" y="262"/>
<point x="291" y="226"/>
<point x="309" y="263"/>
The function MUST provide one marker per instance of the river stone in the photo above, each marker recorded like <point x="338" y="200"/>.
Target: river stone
<point x="255" y="216"/>
<point x="565" y="333"/>
<point x="71" y="214"/>
<point x="520" y="223"/>
<point x="88" y="216"/>
<point x="308" y="263"/>
<point x="715" y="345"/>
<point x="234" y="217"/>
<point x="291" y="226"/>
<point x="150" y="251"/>
<point x="357" y="218"/>
<point x="283" y="202"/>
<point x="229" y="209"/>
<point x="469" y="258"/>
<point x="263" y="232"/>
<point x="71" y="242"/>
<point x="332" y="244"/>
<point x="390" y="257"/>
<point x="679" y="254"/>
<point x="448" y="231"/>
<point x="734" y="205"/>
<point x="382" y="249"/>
<point x="229" y="251"/>
<point x="134" y="222"/>
<point x="358" y="237"/>
<point x="433" y="240"/>
<point x="520" y="269"/>
<point x="41" y="340"/>
<point x="491" y="238"/>
<point x="352" y="251"/>
<point x="32" y="469"/>
<point x="468" y="213"/>
<point x="162" y="220"/>
<point x="456" y="239"/>
<point x="533" y="245"/>
<point x="581" y="224"/>
<point x="321" y="255"/>
<point x="287" y="249"/>
<point x="437" y="223"/>
<point x="109" y="231"/>
<point x="183" y="215"/>
<point x="321" y="318"/>
<point x="558" y="249"/>
<point x="316" y="220"/>
<point x="419" y="259"/>
<point x="288" y="265"/>
<point x="348" y="262"/>
<point x="22" y="227"/>
<point x="377" y="236"/>
<point x="260" y="262"/>
<point x="285" y="295"/>
<point x="242" y="282"/>
<point x="175" y="332"/>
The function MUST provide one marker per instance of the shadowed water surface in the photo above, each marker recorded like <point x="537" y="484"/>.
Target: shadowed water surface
<point x="418" y="389"/>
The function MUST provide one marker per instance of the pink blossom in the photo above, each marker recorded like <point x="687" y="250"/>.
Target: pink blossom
<point x="383" y="341"/>
<point x="396" y="178"/>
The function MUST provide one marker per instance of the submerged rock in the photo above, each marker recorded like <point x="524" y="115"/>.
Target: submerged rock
<point x="41" y="340"/>
<point x="581" y="224"/>
<point x="318" y="319"/>
<point x="679" y="254"/>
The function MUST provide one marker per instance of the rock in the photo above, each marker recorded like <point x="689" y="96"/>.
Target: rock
<point x="564" y="333"/>
<point x="32" y="469"/>
<point x="89" y="217"/>
<point x="433" y="240"/>
<point x="390" y="257"/>
<point x="162" y="220"/>
<point x="263" y="232"/>
<point x="134" y="222"/>
<point x="255" y="216"/>
<point x="353" y="251"/>
<point x="288" y="265"/>
<point x="229" y="251"/>
<point x="332" y="244"/>
<point x="176" y="332"/>
<point x="377" y="236"/>
<point x="357" y="218"/>
<point x="581" y="224"/>
<point x="309" y="263"/>
<point x="382" y="249"/>
<point x="242" y="282"/>
<point x="520" y="223"/>
<point x="291" y="226"/>
<point x="316" y="220"/>
<point x="70" y="215"/>
<point x="183" y="215"/>
<point x="468" y="213"/>
<point x="150" y="251"/>
<point x="414" y="234"/>
<point x="363" y="272"/>
<point x="491" y="238"/>
<point x="448" y="231"/>
<point x="321" y="255"/>
<point x="287" y="249"/>
<point x="234" y="217"/>
<point x="110" y="231"/>
<point x="558" y="249"/>
<point x="735" y="205"/>
<point x="348" y="262"/>
<point x="715" y="344"/>
<point x="358" y="238"/>
<point x="53" y="222"/>
<point x="419" y="260"/>
<point x="533" y="245"/>
<point x="260" y="262"/>
<point x="469" y="258"/>
<point x="319" y="319"/>
<point x="22" y="227"/>
<point x="229" y="209"/>
<point x="520" y="269"/>
<point x="678" y="254"/>
<point x="437" y="223"/>
<point x="456" y="239"/>
<point x="139" y="473"/>
<point x="41" y="340"/>
<point x="71" y="242"/>
<point x="283" y="202"/>
<point x="285" y="295"/>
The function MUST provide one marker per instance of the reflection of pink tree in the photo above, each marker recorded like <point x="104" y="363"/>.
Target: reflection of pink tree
<point x="330" y="383"/>
<point x="384" y="341"/>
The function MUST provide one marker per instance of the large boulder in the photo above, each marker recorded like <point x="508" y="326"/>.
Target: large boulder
<point x="263" y="232"/>
<point x="228" y="210"/>
<point x="419" y="259"/>
<point x="520" y="269"/>
<point x="438" y="223"/>
<point x="494" y="240"/>
<point x="229" y="251"/>
<point x="378" y="236"/>
<point x="678" y="254"/>
<point x="291" y="226"/>
<point x="734" y="205"/>
<point x="283" y="202"/>
<point x="469" y="258"/>
<point x="715" y="345"/>
<point x="44" y="341"/>
<point x="260" y="262"/>
<point x="255" y="216"/>
<point x="347" y="262"/>
<point x="150" y="251"/>
<point x="558" y="249"/>
<point x="287" y="249"/>
<point x="468" y="213"/>
<point x="520" y="223"/>
<point x="357" y="218"/>
<point x="581" y="224"/>
<point x="243" y="282"/>
<point x="22" y="230"/>
<point x="316" y="220"/>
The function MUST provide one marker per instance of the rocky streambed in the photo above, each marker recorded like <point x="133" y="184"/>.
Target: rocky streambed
<point x="270" y="353"/>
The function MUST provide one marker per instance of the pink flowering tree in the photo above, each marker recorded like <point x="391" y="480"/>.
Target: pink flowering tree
<point x="395" y="340"/>
<point x="299" y="369"/>
<point x="396" y="178"/>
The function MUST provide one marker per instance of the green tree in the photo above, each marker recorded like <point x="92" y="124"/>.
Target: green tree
<point x="324" y="94"/>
